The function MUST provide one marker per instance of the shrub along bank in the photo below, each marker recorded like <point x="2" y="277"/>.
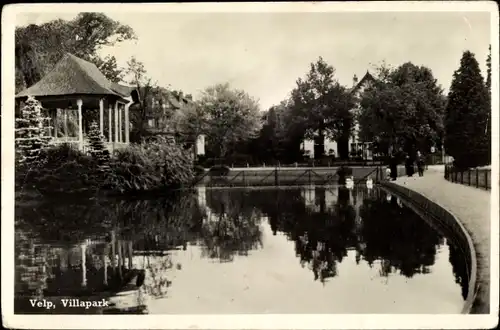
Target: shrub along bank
<point x="146" y="167"/>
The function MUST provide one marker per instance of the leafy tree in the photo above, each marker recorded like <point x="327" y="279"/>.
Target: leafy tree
<point x="39" y="47"/>
<point x="31" y="132"/>
<point x="97" y="148"/>
<point x="278" y="140"/>
<point x="467" y="114"/>
<point x="488" y="86"/>
<point x="189" y="122"/>
<point x="265" y="146"/>
<point x="320" y="106"/>
<point x="145" y="87"/>
<point x="109" y="68"/>
<point x="228" y="116"/>
<point x="488" y="72"/>
<point x="402" y="109"/>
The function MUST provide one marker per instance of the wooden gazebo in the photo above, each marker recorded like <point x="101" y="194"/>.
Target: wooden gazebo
<point x="76" y="84"/>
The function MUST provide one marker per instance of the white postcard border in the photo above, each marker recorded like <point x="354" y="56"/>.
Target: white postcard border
<point x="289" y="321"/>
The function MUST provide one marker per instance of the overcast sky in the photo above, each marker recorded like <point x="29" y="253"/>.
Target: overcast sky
<point x="264" y="53"/>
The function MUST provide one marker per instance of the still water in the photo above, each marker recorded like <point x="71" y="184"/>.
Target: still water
<point x="323" y="249"/>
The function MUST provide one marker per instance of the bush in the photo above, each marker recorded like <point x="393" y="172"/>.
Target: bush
<point x="97" y="148"/>
<point x="31" y="132"/>
<point x="157" y="164"/>
<point x="199" y="170"/>
<point x="60" y="169"/>
<point x="241" y="159"/>
<point x="145" y="167"/>
<point x="219" y="170"/>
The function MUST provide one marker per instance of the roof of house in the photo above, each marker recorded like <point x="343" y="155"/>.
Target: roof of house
<point x="73" y="75"/>
<point x="168" y="97"/>
<point x="366" y="77"/>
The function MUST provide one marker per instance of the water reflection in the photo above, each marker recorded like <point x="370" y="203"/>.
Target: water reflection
<point x="231" y="226"/>
<point x="133" y="251"/>
<point x="397" y="236"/>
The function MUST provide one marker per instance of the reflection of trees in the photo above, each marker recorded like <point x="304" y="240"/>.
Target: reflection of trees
<point x="153" y="224"/>
<point x="322" y="234"/>
<point x="459" y="265"/>
<point x="30" y="272"/>
<point x="232" y="226"/>
<point x="47" y="231"/>
<point x="64" y="222"/>
<point x="398" y="237"/>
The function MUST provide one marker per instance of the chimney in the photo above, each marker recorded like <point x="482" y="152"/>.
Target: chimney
<point x="354" y="80"/>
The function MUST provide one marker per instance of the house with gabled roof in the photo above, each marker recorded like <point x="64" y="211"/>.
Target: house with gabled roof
<point x="354" y="146"/>
<point x="78" y="85"/>
<point x="357" y="147"/>
<point x="163" y="104"/>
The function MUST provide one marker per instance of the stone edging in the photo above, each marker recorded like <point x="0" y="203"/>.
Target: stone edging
<point x="425" y="207"/>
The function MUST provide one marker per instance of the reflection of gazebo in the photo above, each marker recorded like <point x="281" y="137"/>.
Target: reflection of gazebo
<point x="75" y="84"/>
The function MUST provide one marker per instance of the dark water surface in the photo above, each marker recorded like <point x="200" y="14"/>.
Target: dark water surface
<point x="237" y="250"/>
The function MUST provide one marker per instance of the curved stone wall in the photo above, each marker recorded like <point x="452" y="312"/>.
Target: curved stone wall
<point x="444" y="221"/>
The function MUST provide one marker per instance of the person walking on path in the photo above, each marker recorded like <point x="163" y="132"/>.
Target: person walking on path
<point x="420" y="163"/>
<point x="409" y="165"/>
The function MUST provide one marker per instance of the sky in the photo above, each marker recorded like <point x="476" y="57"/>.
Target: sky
<point x="265" y="53"/>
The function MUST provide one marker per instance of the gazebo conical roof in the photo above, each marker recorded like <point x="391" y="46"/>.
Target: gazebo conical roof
<point x="75" y="76"/>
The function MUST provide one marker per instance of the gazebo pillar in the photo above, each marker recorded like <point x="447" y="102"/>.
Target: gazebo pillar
<point x="79" y="103"/>
<point x="101" y="116"/>
<point x="110" y="124"/>
<point x="116" y="122"/>
<point x="56" y="131"/>
<point x="83" y="248"/>
<point x="120" y="124"/>
<point x="130" y="253"/>
<point x="119" y="247"/>
<point x="113" y="250"/>
<point x="65" y="123"/>
<point x="105" y="266"/>
<point x="127" y="123"/>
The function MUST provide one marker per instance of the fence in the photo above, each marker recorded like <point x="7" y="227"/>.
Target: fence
<point x="326" y="162"/>
<point x="479" y="178"/>
<point x="287" y="177"/>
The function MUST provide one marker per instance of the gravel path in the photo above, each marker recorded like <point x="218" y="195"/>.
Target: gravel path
<point x="472" y="207"/>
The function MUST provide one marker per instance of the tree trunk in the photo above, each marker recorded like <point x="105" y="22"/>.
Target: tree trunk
<point x="343" y="147"/>
<point x="319" y="145"/>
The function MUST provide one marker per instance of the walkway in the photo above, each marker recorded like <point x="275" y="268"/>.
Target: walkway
<point x="472" y="207"/>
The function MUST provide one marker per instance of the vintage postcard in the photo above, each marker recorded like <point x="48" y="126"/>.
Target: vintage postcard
<point x="319" y="165"/>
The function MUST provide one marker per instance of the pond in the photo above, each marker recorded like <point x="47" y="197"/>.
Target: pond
<point x="308" y="249"/>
